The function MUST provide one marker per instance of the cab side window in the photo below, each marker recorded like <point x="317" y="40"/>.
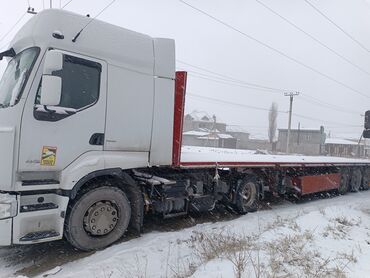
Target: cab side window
<point x="80" y="82"/>
<point x="80" y="89"/>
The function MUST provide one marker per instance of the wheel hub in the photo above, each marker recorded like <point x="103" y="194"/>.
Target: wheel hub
<point x="101" y="218"/>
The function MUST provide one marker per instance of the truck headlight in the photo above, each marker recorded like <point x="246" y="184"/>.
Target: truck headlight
<point x="8" y="206"/>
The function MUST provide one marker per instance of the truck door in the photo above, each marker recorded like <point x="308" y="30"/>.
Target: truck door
<point x="53" y="137"/>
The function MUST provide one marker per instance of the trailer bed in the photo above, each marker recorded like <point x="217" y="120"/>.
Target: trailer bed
<point x="192" y="157"/>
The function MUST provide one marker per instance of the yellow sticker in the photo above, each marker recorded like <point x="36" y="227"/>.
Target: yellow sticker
<point x="49" y="155"/>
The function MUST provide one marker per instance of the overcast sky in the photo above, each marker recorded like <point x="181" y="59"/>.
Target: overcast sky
<point x="329" y="65"/>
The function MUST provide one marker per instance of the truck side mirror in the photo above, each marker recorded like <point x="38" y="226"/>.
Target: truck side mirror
<point x="51" y="90"/>
<point x="51" y="87"/>
<point x="53" y="62"/>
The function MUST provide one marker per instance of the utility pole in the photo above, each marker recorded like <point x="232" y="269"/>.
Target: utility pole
<point x="51" y="4"/>
<point x="291" y="95"/>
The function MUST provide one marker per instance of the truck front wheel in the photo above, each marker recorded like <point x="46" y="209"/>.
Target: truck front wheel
<point x="97" y="218"/>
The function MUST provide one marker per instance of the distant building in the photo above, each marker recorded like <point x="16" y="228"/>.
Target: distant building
<point x="200" y="129"/>
<point x="197" y="120"/>
<point x="346" y="148"/>
<point x="302" y="141"/>
<point x="240" y="134"/>
<point x="259" y="143"/>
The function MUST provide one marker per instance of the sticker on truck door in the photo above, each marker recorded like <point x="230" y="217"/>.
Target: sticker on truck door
<point x="49" y="155"/>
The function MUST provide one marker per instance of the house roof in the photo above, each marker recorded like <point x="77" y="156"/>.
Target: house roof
<point x="202" y="116"/>
<point x="216" y="136"/>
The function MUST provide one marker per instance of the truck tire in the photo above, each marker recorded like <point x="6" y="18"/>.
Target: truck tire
<point x="247" y="196"/>
<point x="356" y="180"/>
<point x="97" y="218"/>
<point x="344" y="182"/>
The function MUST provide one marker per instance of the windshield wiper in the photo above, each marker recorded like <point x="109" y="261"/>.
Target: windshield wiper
<point x="8" y="53"/>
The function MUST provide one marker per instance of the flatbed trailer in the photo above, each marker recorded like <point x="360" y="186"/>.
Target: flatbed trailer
<point x="91" y="119"/>
<point x="326" y="172"/>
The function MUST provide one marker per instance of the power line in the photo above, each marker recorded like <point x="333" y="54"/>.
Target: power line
<point x="233" y="79"/>
<point x="327" y="105"/>
<point x="306" y="98"/>
<point x="312" y="37"/>
<point x="265" y="109"/>
<point x="337" y="26"/>
<point x="319" y="120"/>
<point x="222" y="81"/>
<point x="66" y="4"/>
<point x="13" y="26"/>
<point x="239" y="83"/>
<point x="232" y="103"/>
<point x="275" y="50"/>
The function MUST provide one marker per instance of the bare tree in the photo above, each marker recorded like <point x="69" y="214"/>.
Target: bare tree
<point x="273" y="113"/>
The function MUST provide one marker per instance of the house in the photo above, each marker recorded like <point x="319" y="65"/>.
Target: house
<point x="308" y="141"/>
<point x="346" y="148"/>
<point x="201" y="129"/>
<point x="240" y="134"/>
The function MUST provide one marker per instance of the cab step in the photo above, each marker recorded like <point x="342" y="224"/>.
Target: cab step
<point x="39" y="235"/>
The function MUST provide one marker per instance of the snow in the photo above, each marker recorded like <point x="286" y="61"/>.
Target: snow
<point x="297" y="238"/>
<point x="339" y="141"/>
<point x="196" y="133"/>
<point x="192" y="154"/>
<point x="235" y="128"/>
<point x="56" y="109"/>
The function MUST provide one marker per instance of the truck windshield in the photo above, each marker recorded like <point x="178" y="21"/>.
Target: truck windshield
<point x="15" y="77"/>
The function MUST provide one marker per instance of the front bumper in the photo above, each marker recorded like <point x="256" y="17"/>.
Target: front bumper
<point x="27" y="219"/>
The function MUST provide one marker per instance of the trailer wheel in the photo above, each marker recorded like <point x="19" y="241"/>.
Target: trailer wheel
<point x="344" y="181"/>
<point x="366" y="179"/>
<point x="247" y="196"/>
<point x="356" y="180"/>
<point x="98" y="218"/>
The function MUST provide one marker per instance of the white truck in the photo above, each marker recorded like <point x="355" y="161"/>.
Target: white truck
<point x="90" y="140"/>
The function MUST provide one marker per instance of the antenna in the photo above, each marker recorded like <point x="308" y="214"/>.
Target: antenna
<point x="83" y="28"/>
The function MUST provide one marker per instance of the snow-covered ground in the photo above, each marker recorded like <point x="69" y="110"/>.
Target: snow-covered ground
<point x="321" y="238"/>
<point x="207" y="154"/>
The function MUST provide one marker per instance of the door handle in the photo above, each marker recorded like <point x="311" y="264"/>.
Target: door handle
<point x="97" y="139"/>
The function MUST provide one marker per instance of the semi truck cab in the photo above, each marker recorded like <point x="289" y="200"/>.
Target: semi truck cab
<point x="79" y="97"/>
